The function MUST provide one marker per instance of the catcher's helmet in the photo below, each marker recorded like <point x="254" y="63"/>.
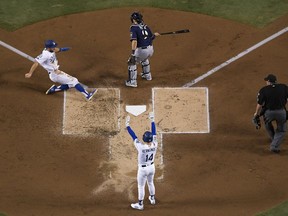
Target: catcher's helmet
<point x="136" y="16"/>
<point x="50" y="44"/>
<point x="147" y="136"/>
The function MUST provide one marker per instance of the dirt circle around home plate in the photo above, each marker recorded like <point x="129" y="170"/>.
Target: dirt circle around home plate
<point x="228" y="171"/>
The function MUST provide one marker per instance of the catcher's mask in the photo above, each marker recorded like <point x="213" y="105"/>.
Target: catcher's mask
<point x="50" y="44"/>
<point x="147" y="136"/>
<point x="136" y="16"/>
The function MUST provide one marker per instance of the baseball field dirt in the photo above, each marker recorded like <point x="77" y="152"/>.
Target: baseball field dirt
<point x="226" y="172"/>
<point x="99" y="117"/>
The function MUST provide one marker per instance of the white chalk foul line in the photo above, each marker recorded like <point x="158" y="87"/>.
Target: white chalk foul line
<point x="13" y="49"/>
<point x="64" y="113"/>
<point x="198" y="79"/>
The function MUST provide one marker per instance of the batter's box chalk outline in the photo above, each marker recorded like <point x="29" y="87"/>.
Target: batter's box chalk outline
<point x="162" y="133"/>
<point x="115" y="91"/>
<point x="207" y="130"/>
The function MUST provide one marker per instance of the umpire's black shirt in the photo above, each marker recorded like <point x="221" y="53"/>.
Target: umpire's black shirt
<point x="273" y="96"/>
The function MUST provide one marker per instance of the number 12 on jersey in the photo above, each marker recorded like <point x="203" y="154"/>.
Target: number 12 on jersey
<point x="150" y="158"/>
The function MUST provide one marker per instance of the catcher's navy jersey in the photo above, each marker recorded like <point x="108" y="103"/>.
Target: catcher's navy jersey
<point x="142" y="34"/>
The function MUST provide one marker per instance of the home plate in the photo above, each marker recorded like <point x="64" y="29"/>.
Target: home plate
<point x="136" y="110"/>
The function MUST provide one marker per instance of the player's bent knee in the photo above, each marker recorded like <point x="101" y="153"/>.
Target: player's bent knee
<point x="73" y="82"/>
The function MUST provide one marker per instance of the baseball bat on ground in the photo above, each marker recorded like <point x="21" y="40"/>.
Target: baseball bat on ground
<point x="176" y="32"/>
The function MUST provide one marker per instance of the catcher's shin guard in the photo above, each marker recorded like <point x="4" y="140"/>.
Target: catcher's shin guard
<point x="146" y="74"/>
<point x="132" y="76"/>
<point x="132" y="72"/>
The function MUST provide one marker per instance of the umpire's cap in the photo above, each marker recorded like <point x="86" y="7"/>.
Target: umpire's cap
<point x="271" y="78"/>
<point x="50" y="44"/>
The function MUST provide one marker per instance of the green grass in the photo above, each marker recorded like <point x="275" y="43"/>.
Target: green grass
<point x="15" y="14"/>
<point x="280" y="210"/>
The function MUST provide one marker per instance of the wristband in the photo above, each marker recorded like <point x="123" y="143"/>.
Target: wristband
<point x="64" y="49"/>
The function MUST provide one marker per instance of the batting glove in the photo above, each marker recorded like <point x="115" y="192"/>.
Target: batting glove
<point x="151" y="116"/>
<point x="127" y="122"/>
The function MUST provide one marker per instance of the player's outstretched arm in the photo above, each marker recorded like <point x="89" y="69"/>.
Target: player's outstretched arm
<point x="156" y="34"/>
<point x="153" y="126"/>
<point x="32" y="69"/>
<point x="63" y="49"/>
<point x="129" y="129"/>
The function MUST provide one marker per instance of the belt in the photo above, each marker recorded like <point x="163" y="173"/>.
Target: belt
<point x="144" y="47"/>
<point x="145" y="165"/>
<point x="51" y="72"/>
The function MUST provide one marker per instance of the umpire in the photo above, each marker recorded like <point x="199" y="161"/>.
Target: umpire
<point x="271" y="102"/>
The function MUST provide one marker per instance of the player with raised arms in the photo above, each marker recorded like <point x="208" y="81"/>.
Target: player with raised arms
<point x="146" y="166"/>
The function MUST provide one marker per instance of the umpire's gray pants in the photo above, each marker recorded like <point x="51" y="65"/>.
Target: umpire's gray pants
<point x="277" y="135"/>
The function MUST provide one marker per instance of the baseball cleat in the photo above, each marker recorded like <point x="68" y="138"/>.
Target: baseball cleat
<point x="146" y="76"/>
<point x="51" y="90"/>
<point x="276" y="151"/>
<point x="152" y="200"/>
<point x="131" y="84"/>
<point x="90" y="96"/>
<point x="137" y="206"/>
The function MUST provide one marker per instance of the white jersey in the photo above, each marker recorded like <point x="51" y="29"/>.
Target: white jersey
<point x="48" y="61"/>
<point x="146" y="153"/>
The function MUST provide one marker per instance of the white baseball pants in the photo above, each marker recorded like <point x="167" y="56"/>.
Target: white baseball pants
<point x="63" y="78"/>
<point x="145" y="174"/>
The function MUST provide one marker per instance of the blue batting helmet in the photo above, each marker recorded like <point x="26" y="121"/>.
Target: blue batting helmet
<point x="147" y="136"/>
<point x="50" y="44"/>
<point x="136" y="16"/>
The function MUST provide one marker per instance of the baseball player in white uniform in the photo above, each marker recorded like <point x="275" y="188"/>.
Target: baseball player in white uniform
<point x="146" y="167"/>
<point x="47" y="59"/>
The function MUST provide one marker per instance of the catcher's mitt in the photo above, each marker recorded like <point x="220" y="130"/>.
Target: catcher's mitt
<point x="256" y="121"/>
<point x="132" y="60"/>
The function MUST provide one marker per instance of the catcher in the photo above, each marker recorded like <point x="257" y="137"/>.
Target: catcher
<point x="141" y="39"/>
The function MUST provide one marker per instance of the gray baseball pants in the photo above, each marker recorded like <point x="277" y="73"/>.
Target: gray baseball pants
<point x="277" y="135"/>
